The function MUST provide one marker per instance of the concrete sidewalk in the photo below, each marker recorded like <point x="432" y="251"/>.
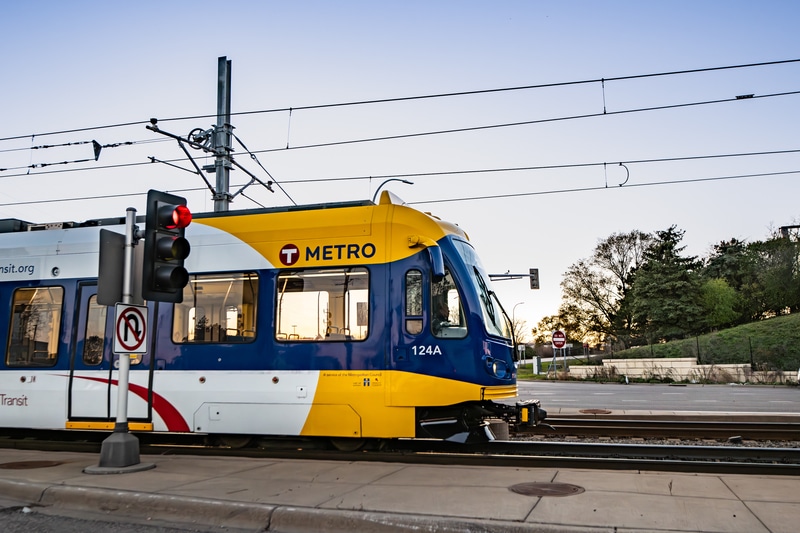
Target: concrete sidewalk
<point x="224" y="494"/>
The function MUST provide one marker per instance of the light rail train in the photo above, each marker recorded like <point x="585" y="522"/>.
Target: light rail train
<point x="350" y="321"/>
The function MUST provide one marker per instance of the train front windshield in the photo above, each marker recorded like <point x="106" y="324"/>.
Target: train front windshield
<point x="494" y="319"/>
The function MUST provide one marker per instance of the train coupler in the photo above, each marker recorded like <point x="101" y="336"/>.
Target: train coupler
<point x="530" y="413"/>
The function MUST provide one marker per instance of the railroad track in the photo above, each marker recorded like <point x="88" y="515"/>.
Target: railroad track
<point x="668" y="429"/>
<point x="617" y="456"/>
<point x="517" y="454"/>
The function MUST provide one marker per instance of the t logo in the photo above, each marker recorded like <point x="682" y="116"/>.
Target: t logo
<point x="289" y="254"/>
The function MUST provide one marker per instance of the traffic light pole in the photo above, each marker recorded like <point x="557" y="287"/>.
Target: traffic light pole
<point x="119" y="453"/>
<point x="125" y="359"/>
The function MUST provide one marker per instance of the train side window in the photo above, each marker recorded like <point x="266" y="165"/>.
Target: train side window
<point x="319" y="305"/>
<point x="414" y="302"/>
<point x="217" y="308"/>
<point x="35" y="325"/>
<point x="447" y="315"/>
<point x="95" y="332"/>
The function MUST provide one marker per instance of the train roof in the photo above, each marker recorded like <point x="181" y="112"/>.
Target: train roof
<point x="13" y="225"/>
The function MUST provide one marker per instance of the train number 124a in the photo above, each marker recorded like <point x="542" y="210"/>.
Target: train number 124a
<point x="426" y="349"/>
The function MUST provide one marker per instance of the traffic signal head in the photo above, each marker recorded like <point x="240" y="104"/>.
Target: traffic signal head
<point x="164" y="276"/>
<point x="534" y="276"/>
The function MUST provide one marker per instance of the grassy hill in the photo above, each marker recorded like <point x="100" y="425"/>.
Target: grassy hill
<point x="772" y="344"/>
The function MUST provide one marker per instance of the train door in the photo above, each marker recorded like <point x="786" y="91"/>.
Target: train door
<point x="93" y="378"/>
<point x="32" y="368"/>
<point x="433" y="318"/>
<point x="411" y="320"/>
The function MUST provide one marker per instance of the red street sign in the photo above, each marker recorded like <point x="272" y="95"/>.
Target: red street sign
<point x="559" y="339"/>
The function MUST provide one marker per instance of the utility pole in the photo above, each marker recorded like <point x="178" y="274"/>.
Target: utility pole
<point x="222" y="136"/>
<point x="217" y="141"/>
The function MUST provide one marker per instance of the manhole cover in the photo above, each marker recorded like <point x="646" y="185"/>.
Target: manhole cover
<point x="595" y="411"/>
<point x="546" y="489"/>
<point x="25" y="465"/>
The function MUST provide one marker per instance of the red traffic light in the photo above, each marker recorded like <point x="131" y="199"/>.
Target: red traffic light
<point x="174" y="216"/>
<point x="166" y="247"/>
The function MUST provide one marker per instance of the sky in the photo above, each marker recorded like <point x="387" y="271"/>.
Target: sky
<point x="591" y="92"/>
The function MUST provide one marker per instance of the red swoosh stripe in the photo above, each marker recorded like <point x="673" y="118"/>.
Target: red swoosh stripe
<point x="168" y="413"/>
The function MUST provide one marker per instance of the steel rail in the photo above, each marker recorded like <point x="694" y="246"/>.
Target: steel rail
<point x="675" y="429"/>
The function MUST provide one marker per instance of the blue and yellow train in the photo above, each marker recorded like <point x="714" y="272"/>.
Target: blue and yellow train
<point x="351" y="321"/>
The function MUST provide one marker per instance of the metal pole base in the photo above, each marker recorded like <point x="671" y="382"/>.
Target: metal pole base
<point x="119" y="454"/>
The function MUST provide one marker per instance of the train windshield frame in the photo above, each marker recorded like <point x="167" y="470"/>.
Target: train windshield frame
<point x="494" y="319"/>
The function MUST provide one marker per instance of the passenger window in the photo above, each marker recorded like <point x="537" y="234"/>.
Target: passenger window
<point x="414" y="302"/>
<point x="322" y="305"/>
<point x="217" y="308"/>
<point x="35" y="325"/>
<point x="95" y="332"/>
<point x="447" y="316"/>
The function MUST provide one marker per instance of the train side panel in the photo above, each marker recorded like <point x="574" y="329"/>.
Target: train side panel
<point x="313" y="322"/>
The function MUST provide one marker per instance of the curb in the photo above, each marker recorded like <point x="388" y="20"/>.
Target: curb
<point x="208" y="513"/>
<point x="160" y="507"/>
<point x="121" y="504"/>
<point x="303" y="520"/>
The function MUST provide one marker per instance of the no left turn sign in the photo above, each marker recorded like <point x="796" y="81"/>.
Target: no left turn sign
<point x="130" y="333"/>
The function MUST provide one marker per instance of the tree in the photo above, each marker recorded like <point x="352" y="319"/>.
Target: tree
<point x="737" y="263"/>
<point x="720" y="302"/>
<point x="545" y="328"/>
<point x="593" y="289"/>
<point x="777" y="275"/>
<point x="666" y="290"/>
<point x="518" y="330"/>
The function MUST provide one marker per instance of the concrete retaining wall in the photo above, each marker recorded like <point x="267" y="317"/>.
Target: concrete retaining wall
<point x="680" y="369"/>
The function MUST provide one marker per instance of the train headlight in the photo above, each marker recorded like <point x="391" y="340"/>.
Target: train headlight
<point x="499" y="368"/>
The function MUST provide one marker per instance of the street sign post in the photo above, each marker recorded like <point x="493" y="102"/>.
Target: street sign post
<point x="559" y="340"/>
<point x="119" y="453"/>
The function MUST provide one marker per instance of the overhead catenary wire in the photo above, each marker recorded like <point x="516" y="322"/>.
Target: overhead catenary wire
<point x="549" y="167"/>
<point x="172" y="162"/>
<point x="452" y="199"/>
<point x="447" y="131"/>
<point x="519" y="123"/>
<point x="74" y="143"/>
<point x="604" y="188"/>
<point x="97" y="148"/>
<point x="418" y="97"/>
<point x="458" y="130"/>
<point x="252" y="154"/>
<point x="254" y="158"/>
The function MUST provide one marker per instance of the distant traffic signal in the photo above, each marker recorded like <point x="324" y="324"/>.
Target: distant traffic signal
<point x="534" y="275"/>
<point x="165" y="247"/>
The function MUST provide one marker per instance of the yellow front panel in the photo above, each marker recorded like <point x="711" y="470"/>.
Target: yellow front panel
<point x="382" y="404"/>
<point x="409" y="389"/>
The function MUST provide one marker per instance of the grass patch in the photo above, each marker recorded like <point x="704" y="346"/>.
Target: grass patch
<point x="772" y="344"/>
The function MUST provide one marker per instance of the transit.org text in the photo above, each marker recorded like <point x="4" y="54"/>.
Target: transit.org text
<point x="17" y="269"/>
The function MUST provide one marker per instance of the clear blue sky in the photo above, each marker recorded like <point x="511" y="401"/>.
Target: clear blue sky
<point x="82" y="64"/>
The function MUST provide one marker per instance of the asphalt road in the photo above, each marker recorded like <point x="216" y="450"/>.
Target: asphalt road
<point x="662" y="397"/>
